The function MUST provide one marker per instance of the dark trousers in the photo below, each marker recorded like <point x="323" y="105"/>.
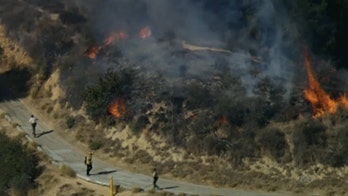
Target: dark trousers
<point x="89" y="168"/>
<point x="155" y="182"/>
<point x="33" y="126"/>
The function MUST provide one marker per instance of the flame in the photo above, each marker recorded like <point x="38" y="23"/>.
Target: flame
<point x="343" y="100"/>
<point x="115" y="36"/>
<point x="145" y="32"/>
<point x="223" y="120"/>
<point x="117" y="108"/>
<point x="321" y="102"/>
<point x="93" y="52"/>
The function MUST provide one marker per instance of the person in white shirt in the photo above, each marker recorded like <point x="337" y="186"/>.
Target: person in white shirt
<point x="155" y="178"/>
<point x="33" y="121"/>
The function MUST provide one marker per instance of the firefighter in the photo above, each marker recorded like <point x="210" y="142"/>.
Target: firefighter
<point x="33" y="122"/>
<point x="155" y="178"/>
<point x="88" y="163"/>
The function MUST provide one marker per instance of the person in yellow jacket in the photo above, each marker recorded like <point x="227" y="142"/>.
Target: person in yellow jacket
<point x="88" y="163"/>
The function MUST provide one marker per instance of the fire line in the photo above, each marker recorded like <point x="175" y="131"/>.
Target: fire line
<point x="320" y="101"/>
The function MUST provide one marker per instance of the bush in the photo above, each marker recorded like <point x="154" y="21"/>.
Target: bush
<point x="137" y="190"/>
<point x="139" y="124"/>
<point x="13" y="167"/>
<point x="214" y="146"/>
<point x="70" y="122"/>
<point x="314" y="133"/>
<point x="310" y="143"/>
<point x="98" y="97"/>
<point x="272" y="142"/>
<point x="95" y="145"/>
<point x="67" y="171"/>
<point x="20" y="185"/>
<point x="339" y="142"/>
<point x="243" y="146"/>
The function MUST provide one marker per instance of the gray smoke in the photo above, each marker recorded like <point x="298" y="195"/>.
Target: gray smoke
<point x="258" y="33"/>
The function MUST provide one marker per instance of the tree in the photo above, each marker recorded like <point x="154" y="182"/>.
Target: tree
<point x="16" y="161"/>
<point x="112" y="85"/>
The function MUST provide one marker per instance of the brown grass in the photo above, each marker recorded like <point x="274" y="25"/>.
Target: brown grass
<point x="67" y="171"/>
<point x="137" y="190"/>
<point x="192" y="169"/>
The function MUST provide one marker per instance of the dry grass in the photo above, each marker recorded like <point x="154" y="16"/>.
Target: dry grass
<point x="191" y="169"/>
<point x="137" y="190"/>
<point x="2" y="115"/>
<point x="67" y="171"/>
<point x="33" y="145"/>
<point x="21" y="135"/>
<point x="165" y="193"/>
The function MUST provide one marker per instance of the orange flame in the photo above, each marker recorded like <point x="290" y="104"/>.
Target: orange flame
<point x="321" y="102"/>
<point x="117" y="108"/>
<point x="344" y="101"/>
<point x="145" y="32"/>
<point x="115" y="36"/>
<point x="93" y="52"/>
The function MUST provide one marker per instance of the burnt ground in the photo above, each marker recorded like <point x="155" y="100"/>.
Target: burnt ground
<point x="14" y="84"/>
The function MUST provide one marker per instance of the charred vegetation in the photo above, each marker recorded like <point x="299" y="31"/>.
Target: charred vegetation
<point x="237" y="104"/>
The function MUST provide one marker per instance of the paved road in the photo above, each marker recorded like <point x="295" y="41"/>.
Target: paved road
<point x="61" y="152"/>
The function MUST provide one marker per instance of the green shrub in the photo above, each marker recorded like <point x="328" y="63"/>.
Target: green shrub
<point x="139" y="124"/>
<point x="14" y="167"/>
<point x="70" y="122"/>
<point x="95" y="145"/>
<point x="112" y="85"/>
<point x="20" y="185"/>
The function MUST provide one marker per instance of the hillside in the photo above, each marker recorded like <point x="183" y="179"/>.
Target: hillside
<point x="181" y="92"/>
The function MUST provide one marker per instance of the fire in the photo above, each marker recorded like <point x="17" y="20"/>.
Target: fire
<point x="321" y="102"/>
<point x="93" y="52"/>
<point x="115" y="36"/>
<point x="344" y="101"/>
<point x="117" y="108"/>
<point x="145" y="32"/>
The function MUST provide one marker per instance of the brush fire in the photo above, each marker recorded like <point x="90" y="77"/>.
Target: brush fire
<point x="117" y="108"/>
<point x="92" y="52"/>
<point x="320" y="100"/>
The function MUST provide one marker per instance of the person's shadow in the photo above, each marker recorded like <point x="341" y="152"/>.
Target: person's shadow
<point x="44" y="133"/>
<point x="104" y="172"/>
<point x="169" y="187"/>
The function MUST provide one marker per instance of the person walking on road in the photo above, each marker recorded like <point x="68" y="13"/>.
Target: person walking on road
<point x="88" y="162"/>
<point x="33" y="121"/>
<point x="155" y="178"/>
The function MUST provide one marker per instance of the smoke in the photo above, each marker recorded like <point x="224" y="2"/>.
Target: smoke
<point x="254" y="29"/>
